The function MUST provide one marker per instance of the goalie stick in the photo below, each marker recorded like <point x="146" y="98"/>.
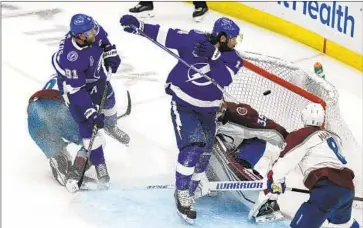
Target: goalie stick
<point x="212" y="186"/>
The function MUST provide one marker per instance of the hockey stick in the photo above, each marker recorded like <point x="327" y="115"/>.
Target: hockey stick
<point x="212" y="186"/>
<point x="94" y="133"/>
<point x="308" y="192"/>
<point x="128" y="110"/>
<point x="184" y="62"/>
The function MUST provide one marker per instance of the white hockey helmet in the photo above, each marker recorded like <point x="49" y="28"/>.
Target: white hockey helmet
<point x="313" y="115"/>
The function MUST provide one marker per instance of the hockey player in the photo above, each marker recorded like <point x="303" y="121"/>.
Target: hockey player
<point x="195" y="100"/>
<point x="81" y="61"/>
<point x="52" y="128"/>
<point x="317" y="152"/>
<point x="239" y="154"/>
<point x="145" y="8"/>
<point x="49" y="123"/>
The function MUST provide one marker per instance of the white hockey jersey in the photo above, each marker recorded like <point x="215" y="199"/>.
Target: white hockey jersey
<point x="317" y="152"/>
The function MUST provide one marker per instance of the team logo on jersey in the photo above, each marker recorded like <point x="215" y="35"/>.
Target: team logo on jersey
<point x="91" y="60"/>
<point x="79" y="20"/>
<point x="192" y="76"/>
<point x="242" y="111"/>
<point x="72" y="56"/>
<point x="97" y="72"/>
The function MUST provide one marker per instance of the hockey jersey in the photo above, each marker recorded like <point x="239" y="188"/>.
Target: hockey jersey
<point x="318" y="154"/>
<point x="81" y="71"/>
<point x="185" y="85"/>
<point x="241" y="121"/>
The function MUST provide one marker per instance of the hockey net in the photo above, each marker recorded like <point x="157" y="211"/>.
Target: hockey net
<point x="291" y="89"/>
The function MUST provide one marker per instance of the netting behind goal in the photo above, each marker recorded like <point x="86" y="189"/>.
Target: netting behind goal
<point x="291" y="90"/>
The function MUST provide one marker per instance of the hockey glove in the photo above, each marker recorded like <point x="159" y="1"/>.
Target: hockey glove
<point x="112" y="59"/>
<point x="127" y="20"/>
<point x="275" y="188"/>
<point x="95" y="118"/>
<point x="207" y="50"/>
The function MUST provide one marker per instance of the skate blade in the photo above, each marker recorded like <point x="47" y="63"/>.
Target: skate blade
<point x="124" y="139"/>
<point x="94" y="186"/>
<point x="273" y="217"/>
<point x="185" y="218"/>
<point x="200" y="18"/>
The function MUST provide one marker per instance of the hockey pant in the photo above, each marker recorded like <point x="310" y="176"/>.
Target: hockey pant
<point x="194" y="132"/>
<point x="327" y="201"/>
<point x="49" y="122"/>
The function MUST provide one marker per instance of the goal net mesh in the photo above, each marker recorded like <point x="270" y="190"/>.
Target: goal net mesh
<point x="280" y="90"/>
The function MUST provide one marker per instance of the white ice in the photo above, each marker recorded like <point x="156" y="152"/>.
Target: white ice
<point x="30" y="196"/>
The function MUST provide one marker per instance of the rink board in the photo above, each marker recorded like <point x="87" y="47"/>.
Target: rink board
<point x="155" y="208"/>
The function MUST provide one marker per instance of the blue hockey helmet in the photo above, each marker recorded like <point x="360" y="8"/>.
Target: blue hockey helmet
<point x="227" y="26"/>
<point x="81" y="23"/>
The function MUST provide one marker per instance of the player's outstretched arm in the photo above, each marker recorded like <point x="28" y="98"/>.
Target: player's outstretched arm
<point x="171" y="38"/>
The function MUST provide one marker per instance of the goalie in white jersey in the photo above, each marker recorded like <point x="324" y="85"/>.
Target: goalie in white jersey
<point x="246" y="145"/>
<point x="317" y="152"/>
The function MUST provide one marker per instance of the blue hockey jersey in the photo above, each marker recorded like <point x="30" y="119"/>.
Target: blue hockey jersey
<point x="186" y="86"/>
<point x="81" y="71"/>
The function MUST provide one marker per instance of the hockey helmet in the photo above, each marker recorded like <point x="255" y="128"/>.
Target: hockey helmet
<point x="313" y="115"/>
<point x="227" y="26"/>
<point x="81" y="23"/>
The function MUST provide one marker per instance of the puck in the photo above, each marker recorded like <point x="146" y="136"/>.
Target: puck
<point x="267" y="92"/>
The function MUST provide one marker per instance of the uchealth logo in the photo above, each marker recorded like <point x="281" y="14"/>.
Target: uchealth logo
<point x="242" y="111"/>
<point x="192" y="76"/>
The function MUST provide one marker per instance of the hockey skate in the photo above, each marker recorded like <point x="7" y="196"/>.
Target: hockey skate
<point x="199" y="13"/>
<point x="102" y="176"/>
<point x="185" y="205"/>
<point x="118" y="134"/>
<point x="76" y="170"/>
<point x="142" y="10"/>
<point x="269" y="212"/>
<point x="60" y="165"/>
